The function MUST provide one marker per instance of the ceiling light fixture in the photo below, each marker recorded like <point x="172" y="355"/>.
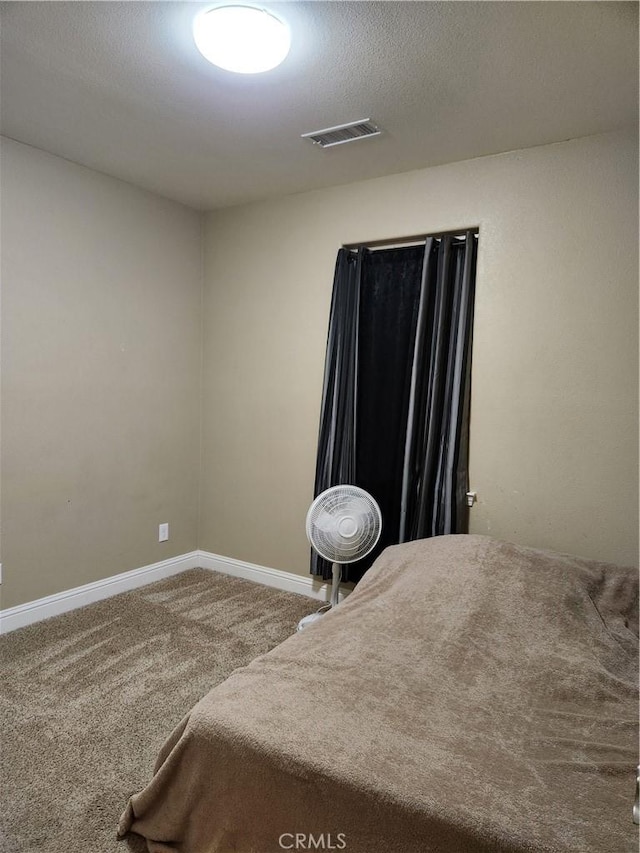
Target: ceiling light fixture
<point x="243" y="39"/>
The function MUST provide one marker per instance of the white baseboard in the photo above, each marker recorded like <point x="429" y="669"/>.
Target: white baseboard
<point x="303" y="585"/>
<point x="70" y="599"/>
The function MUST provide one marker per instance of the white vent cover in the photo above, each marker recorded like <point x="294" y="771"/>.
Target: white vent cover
<point x="354" y="130"/>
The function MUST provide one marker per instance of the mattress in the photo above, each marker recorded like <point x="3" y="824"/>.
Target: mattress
<point x="470" y="695"/>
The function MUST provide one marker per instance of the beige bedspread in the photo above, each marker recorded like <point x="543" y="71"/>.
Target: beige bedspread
<point x="470" y="695"/>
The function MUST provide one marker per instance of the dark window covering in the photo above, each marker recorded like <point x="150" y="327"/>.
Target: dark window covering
<point x="395" y="401"/>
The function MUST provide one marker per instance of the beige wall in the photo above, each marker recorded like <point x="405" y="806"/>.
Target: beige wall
<point x="101" y="297"/>
<point x="101" y="349"/>
<point x="554" y="406"/>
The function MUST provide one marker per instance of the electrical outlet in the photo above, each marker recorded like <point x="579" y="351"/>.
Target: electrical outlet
<point x="163" y="532"/>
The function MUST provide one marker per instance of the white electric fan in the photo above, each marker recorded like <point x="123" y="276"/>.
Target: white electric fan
<point x="343" y="525"/>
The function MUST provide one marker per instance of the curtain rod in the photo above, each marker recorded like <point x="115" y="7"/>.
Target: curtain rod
<point x="408" y="241"/>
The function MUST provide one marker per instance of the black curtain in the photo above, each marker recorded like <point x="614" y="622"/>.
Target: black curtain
<point x="395" y="403"/>
<point x="336" y="461"/>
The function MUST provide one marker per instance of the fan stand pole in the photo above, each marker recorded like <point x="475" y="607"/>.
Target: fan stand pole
<point x="336" y="572"/>
<point x="336" y="575"/>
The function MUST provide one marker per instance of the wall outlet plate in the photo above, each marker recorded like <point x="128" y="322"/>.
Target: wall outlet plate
<point x="163" y="532"/>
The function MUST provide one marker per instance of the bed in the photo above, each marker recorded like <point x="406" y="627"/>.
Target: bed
<point x="470" y="695"/>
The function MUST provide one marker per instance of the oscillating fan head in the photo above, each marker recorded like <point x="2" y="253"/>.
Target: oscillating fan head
<point x="344" y="524"/>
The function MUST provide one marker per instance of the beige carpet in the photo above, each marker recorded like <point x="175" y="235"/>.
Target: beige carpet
<point x="88" y="698"/>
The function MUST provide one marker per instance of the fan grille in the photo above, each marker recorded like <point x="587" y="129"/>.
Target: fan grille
<point x="344" y="524"/>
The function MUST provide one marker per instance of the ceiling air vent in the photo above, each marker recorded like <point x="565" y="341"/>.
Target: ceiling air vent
<point x="351" y="132"/>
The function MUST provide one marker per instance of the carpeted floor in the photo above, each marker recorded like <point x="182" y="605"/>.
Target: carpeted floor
<point x="88" y="698"/>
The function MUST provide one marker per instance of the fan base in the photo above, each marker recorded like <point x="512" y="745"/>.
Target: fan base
<point x="308" y="620"/>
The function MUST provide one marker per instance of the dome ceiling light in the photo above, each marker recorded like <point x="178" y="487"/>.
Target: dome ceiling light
<point x="244" y="39"/>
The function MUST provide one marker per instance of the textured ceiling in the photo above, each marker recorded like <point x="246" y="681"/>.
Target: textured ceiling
<point x="120" y="87"/>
